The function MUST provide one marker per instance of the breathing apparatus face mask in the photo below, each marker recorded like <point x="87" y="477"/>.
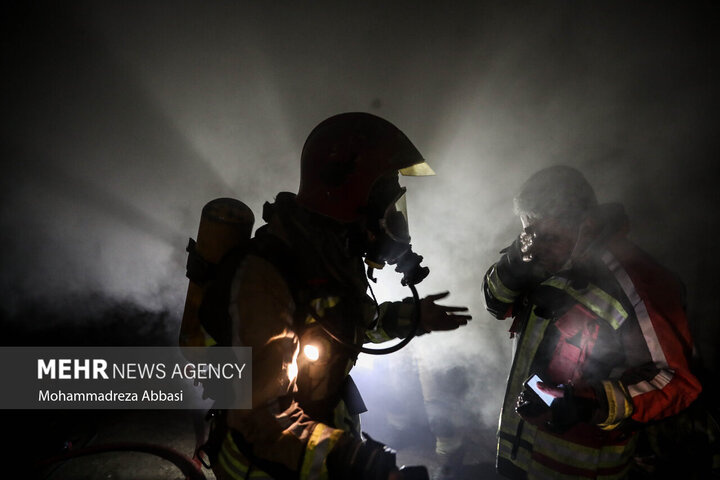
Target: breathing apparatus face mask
<point x="389" y="233"/>
<point x="384" y="237"/>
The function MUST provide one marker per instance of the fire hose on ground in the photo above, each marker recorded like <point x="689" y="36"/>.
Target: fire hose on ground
<point x="187" y="466"/>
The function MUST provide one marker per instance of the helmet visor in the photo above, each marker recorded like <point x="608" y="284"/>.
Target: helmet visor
<point x="421" y="169"/>
<point x="395" y="219"/>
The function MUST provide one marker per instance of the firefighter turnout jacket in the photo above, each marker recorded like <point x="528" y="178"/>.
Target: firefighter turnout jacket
<point x="616" y="324"/>
<point x="305" y="408"/>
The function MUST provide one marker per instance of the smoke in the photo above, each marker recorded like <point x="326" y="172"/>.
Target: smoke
<point x="124" y="120"/>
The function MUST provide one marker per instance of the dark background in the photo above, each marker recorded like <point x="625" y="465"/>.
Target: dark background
<point x="122" y="119"/>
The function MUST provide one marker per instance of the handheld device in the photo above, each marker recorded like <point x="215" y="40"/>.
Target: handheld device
<point x="532" y="382"/>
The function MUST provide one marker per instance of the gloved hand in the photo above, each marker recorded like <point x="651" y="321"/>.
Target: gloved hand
<point x="354" y="459"/>
<point x="518" y="267"/>
<point x="571" y="406"/>
<point x="529" y="405"/>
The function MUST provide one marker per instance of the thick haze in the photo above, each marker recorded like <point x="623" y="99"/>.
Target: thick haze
<point x="123" y="118"/>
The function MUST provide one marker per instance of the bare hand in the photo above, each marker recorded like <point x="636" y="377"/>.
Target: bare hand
<point x="434" y="317"/>
<point x="553" y="391"/>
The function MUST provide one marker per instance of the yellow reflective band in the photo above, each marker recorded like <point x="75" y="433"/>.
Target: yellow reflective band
<point x="529" y="342"/>
<point x="576" y="455"/>
<point x="197" y="338"/>
<point x="349" y="422"/>
<point x="611" y="456"/>
<point x="378" y="335"/>
<point x="340" y="413"/>
<point x="619" y="406"/>
<point x="593" y="298"/>
<point x="230" y="470"/>
<point x="523" y="458"/>
<point x="498" y="289"/>
<point x="533" y="440"/>
<point x="233" y="461"/>
<point x="405" y="313"/>
<point x="612" y="403"/>
<point x="564" y="451"/>
<point x="322" y="440"/>
<point x="319" y="305"/>
<point x="209" y="341"/>
<point x="510" y="422"/>
<point x="509" y="419"/>
<point x="606" y="457"/>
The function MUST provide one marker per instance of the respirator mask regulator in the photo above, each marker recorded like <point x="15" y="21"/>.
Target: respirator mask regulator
<point x="385" y="239"/>
<point x="389" y="233"/>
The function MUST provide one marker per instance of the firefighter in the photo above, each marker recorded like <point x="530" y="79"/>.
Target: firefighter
<point x="599" y="323"/>
<point x="305" y="311"/>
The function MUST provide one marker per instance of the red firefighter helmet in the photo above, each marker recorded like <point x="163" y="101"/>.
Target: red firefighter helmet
<point x="344" y="156"/>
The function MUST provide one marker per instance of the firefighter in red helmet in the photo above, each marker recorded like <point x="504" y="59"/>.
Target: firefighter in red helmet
<point x="299" y="299"/>
<point x="603" y="344"/>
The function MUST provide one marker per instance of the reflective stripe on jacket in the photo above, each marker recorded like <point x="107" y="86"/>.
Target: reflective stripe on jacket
<point x="295" y="440"/>
<point x="641" y="371"/>
<point x="234" y="465"/>
<point x="529" y="451"/>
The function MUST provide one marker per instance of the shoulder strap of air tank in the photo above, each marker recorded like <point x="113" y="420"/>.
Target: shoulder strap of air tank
<point x="284" y="259"/>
